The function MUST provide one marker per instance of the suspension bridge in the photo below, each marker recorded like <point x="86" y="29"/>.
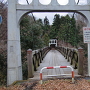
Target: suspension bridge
<point x="54" y="57"/>
<point x="16" y="12"/>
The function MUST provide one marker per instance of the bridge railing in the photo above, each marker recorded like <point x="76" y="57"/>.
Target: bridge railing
<point x="34" y="58"/>
<point x="70" y="54"/>
<point x="75" y="57"/>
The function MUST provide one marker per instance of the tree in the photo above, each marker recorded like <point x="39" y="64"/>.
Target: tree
<point x="3" y="26"/>
<point x="46" y="39"/>
<point x="36" y="36"/>
<point x="52" y="33"/>
<point x="40" y="22"/>
<point x="46" y="26"/>
<point x="55" y="26"/>
<point x="31" y="33"/>
<point x="3" y="43"/>
<point x="68" y="31"/>
<point x="46" y="21"/>
<point x="56" y="23"/>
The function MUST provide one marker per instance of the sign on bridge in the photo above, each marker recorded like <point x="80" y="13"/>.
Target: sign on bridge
<point x="86" y="34"/>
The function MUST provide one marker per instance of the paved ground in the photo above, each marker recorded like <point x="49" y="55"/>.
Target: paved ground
<point x="54" y="58"/>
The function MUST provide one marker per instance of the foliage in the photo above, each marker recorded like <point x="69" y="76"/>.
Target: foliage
<point x="52" y="33"/>
<point x="3" y="43"/>
<point x="46" y="31"/>
<point x="69" y="30"/>
<point x="56" y="21"/>
<point x="46" y="39"/>
<point x="64" y="28"/>
<point x="46" y="21"/>
<point x="31" y="33"/>
<point x="3" y="68"/>
<point x="56" y="24"/>
<point x="3" y="26"/>
<point x="46" y="26"/>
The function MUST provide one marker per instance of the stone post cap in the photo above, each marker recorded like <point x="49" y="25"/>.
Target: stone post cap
<point x="80" y="48"/>
<point x="29" y="50"/>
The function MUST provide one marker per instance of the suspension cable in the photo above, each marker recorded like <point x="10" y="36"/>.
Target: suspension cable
<point x="74" y="12"/>
<point x="27" y="1"/>
<point x="31" y="13"/>
<point x="78" y="2"/>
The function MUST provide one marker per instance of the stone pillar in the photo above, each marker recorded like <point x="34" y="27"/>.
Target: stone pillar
<point x="54" y="2"/>
<point x="80" y="61"/>
<point x="14" y="66"/>
<point x="35" y="2"/>
<point x="72" y="2"/>
<point x="88" y="17"/>
<point x="88" y="59"/>
<point x="30" y="63"/>
<point x="87" y="14"/>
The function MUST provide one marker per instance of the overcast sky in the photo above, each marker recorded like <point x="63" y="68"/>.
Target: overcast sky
<point x="50" y="16"/>
<point x="62" y="2"/>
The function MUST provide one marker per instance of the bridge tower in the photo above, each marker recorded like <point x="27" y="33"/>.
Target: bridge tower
<point x="14" y="68"/>
<point x="16" y="12"/>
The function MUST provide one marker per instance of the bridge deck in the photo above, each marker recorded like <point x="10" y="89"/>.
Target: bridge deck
<point x="53" y="58"/>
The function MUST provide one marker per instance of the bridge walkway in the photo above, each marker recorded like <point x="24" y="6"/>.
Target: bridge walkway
<point x="54" y="58"/>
